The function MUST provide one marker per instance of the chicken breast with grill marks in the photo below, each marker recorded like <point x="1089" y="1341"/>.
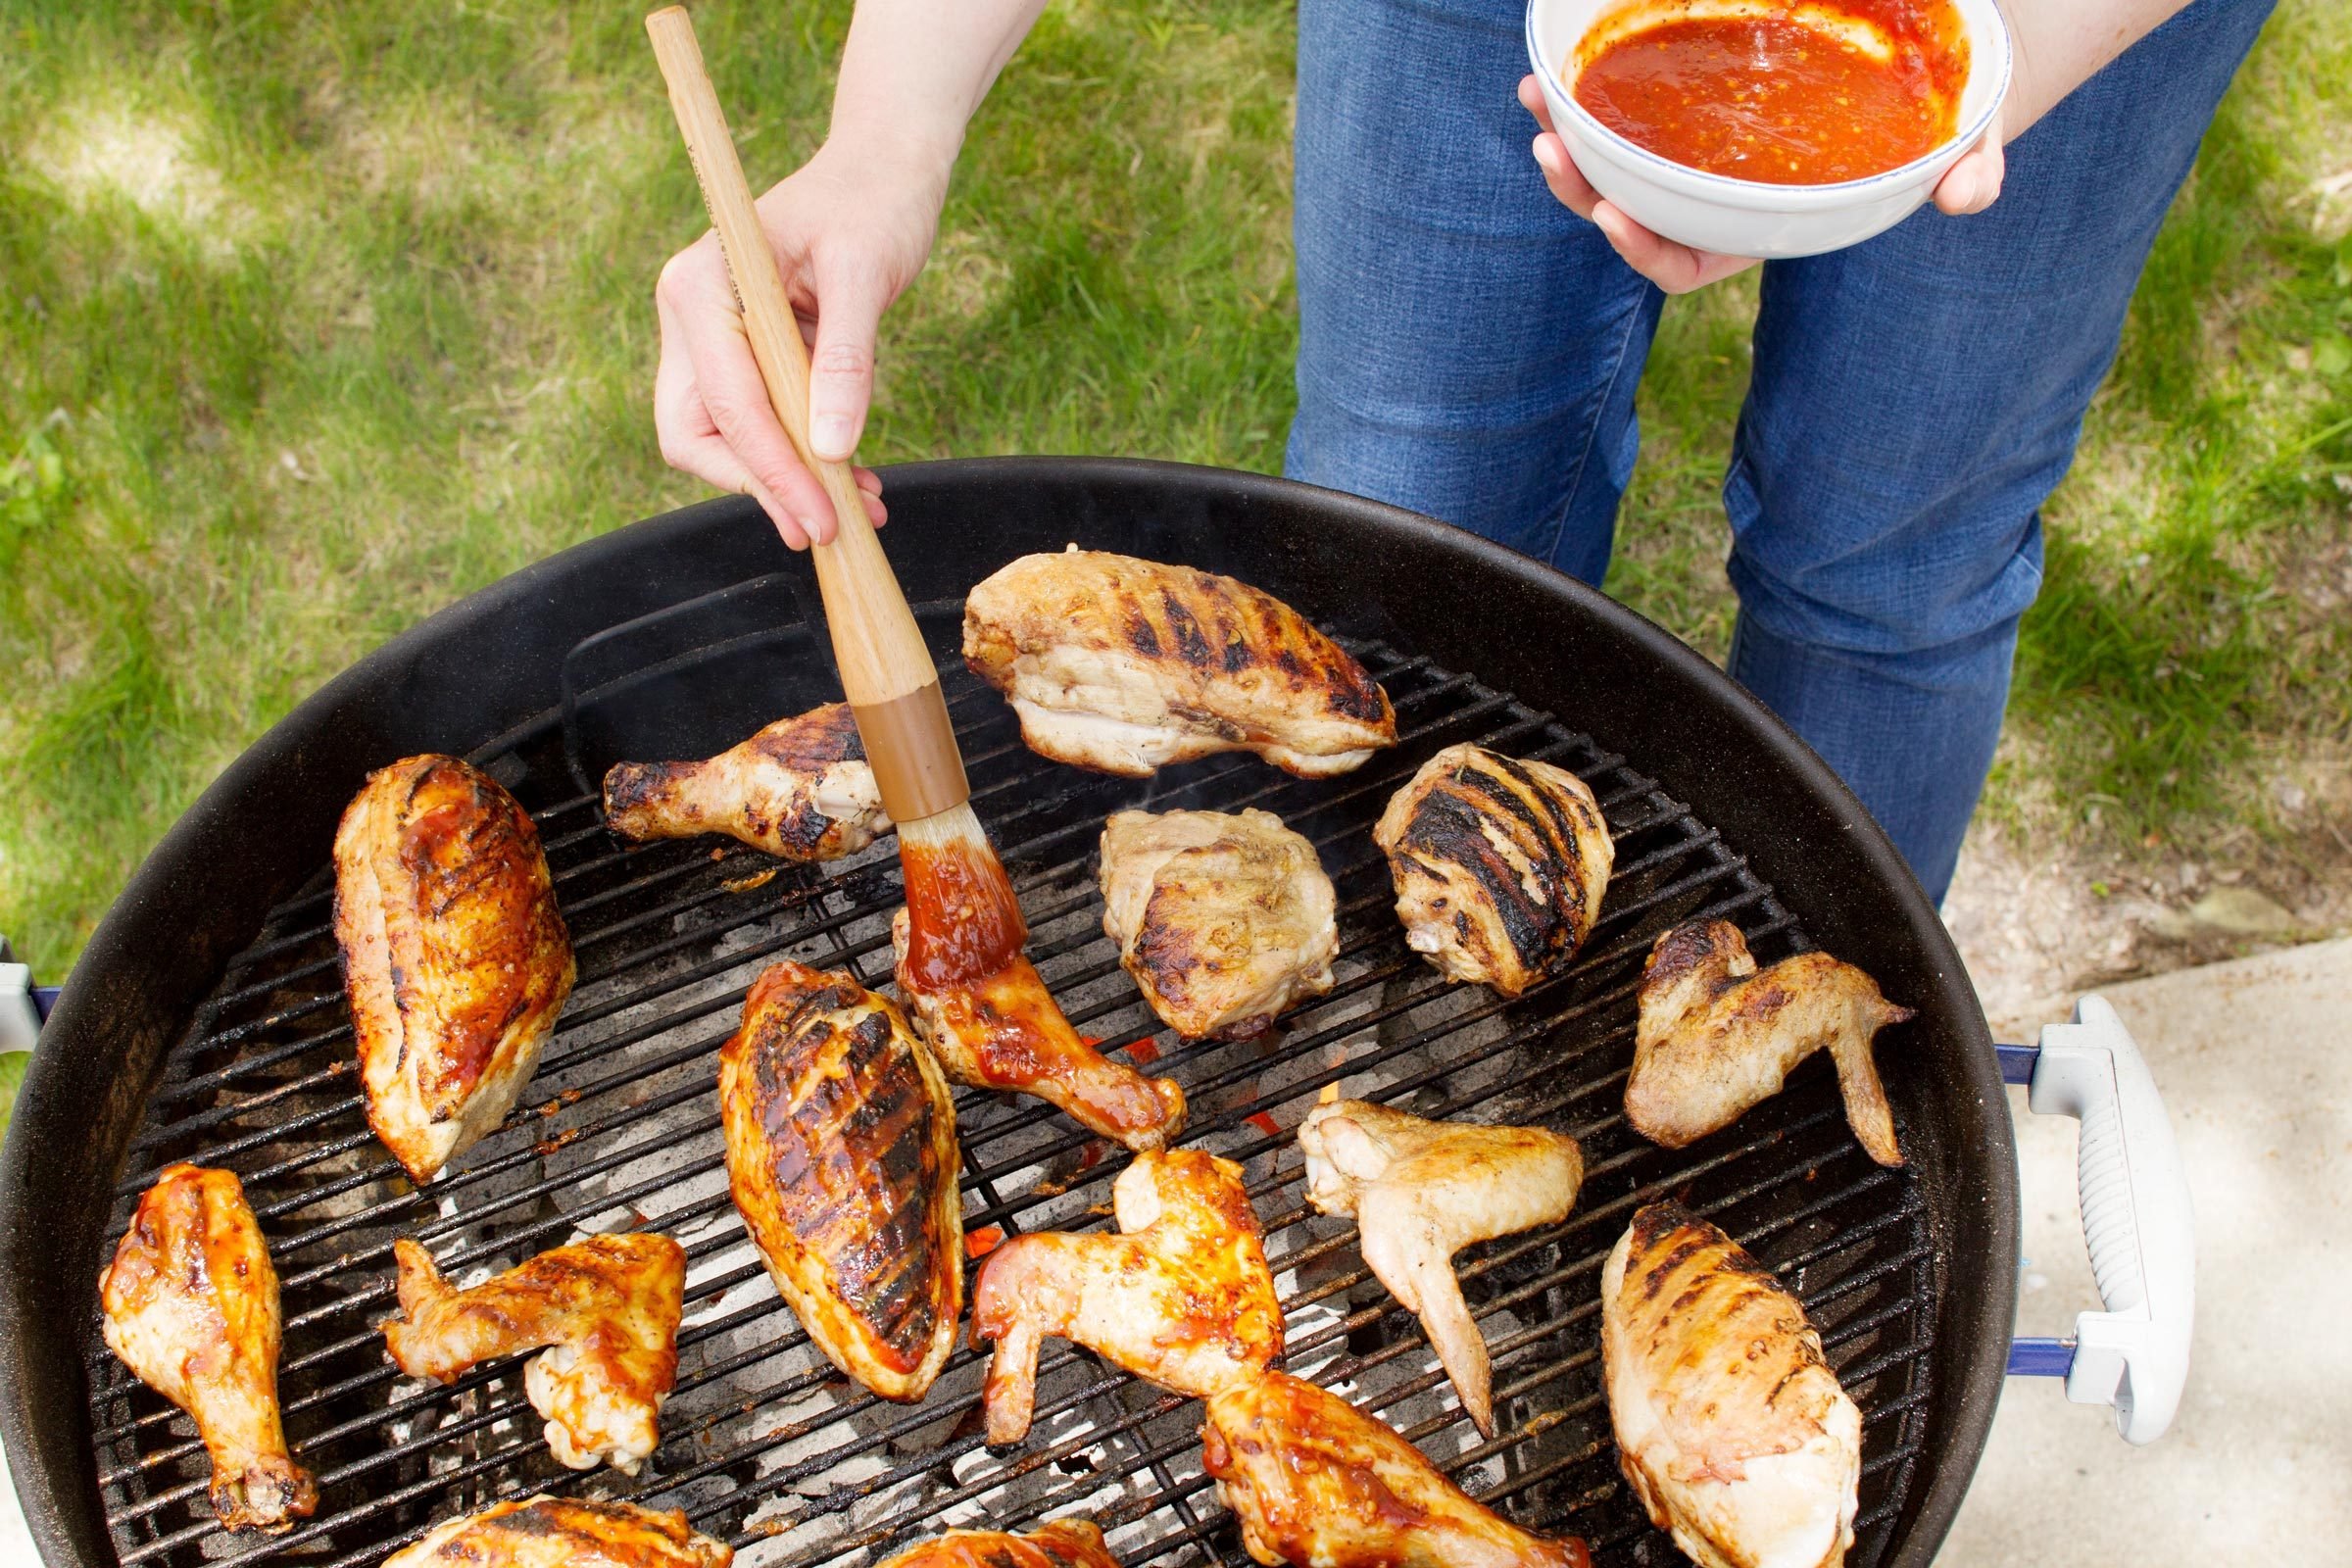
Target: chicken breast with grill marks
<point x="1124" y="665"/>
<point x="801" y="789"/>
<point x="546" y="1532"/>
<point x="1061" y="1543"/>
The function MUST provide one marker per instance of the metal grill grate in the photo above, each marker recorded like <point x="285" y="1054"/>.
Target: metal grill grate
<point x="766" y="1444"/>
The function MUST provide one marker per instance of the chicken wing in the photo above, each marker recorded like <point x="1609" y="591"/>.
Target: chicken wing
<point x="800" y="789"/>
<point x="1181" y="1297"/>
<point x="1421" y="1191"/>
<point x="1730" y="1427"/>
<point x="1123" y="666"/>
<point x="1063" y="1544"/>
<point x="1717" y="1037"/>
<point x="190" y="1305"/>
<point x="842" y="1158"/>
<point x="1007" y="1034"/>
<point x="606" y="1312"/>
<point x="1318" y="1484"/>
<point x="1223" y="921"/>
<point x="454" y="957"/>
<point x="546" y="1532"/>
<point x="1500" y="865"/>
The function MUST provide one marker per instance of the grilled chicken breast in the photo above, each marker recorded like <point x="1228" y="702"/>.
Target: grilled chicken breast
<point x="1730" y="1427"/>
<point x="1222" y="920"/>
<point x="546" y="1532"/>
<point x="800" y="789"/>
<point x="1318" y="1484"/>
<point x="1123" y="666"/>
<point x="1063" y="1544"/>
<point x="454" y="957"/>
<point x="605" y="1312"/>
<point x="1181" y="1297"/>
<point x="1717" y="1037"/>
<point x="1420" y="1191"/>
<point x="841" y="1157"/>
<point x="190" y="1305"/>
<point x="1498" y="865"/>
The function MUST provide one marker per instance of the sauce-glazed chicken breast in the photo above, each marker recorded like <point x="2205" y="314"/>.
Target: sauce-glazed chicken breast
<point x="1730" y="1427"/>
<point x="842" y="1158"/>
<point x="800" y="789"/>
<point x="1318" y="1484"/>
<point x="1123" y="666"/>
<point x="546" y="1532"/>
<point x="605" y="1312"/>
<point x="454" y="957"/>
<point x="190" y="1305"/>
<point x="1500" y="865"/>
<point x="1222" y="920"/>
<point x="1181" y="1297"/>
<point x="1716" y="1037"/>
<point x="1063" y="1544"/>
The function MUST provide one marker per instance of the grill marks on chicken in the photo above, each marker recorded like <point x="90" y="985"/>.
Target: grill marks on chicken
<point x="454" y="957"/>
<point x="1181" y="1297"/>
<point x="1063" y="1544"/>
<point x="842" y="1158"/>
<point x="1223" y="921"/>
<point x="546" y="1532"/>
<point x="1717" y="1037"/>
<point x="606" y="1312"/>
<point x="1500" y="865"/>
<point x="1123" y="666"/>
<point x="190" y="1305"/>
<point x="1730" y="1427"/>
<point x="800" y="789"/>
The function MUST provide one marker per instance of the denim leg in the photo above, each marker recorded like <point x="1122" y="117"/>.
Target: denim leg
<point x="1467" y="347"/>
<point x="1915" y="400"/>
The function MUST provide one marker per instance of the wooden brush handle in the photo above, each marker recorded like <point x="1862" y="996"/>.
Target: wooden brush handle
<point x="885" y="671"/>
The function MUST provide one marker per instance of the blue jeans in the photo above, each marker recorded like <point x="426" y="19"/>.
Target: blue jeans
<point x="1469" y="349"/>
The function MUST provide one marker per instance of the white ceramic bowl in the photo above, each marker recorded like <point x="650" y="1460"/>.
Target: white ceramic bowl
<point x="1745" y="217"/>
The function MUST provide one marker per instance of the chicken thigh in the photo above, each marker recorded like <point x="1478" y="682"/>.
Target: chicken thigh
<point x="454" y="957"/>
<point x="1421" y="1191"/>
<point x="800" y="789"/>
<point x="190" y="1305"/>
<point x="1063" y="1544"/>
<point x="1181" y="1297"/>
<point x="546" y="1532"/>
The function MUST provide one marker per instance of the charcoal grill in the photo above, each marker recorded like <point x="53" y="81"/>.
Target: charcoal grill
<point x="206" y="1023"/>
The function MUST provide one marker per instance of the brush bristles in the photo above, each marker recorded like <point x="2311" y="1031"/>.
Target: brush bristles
<point x="963" y="921"/>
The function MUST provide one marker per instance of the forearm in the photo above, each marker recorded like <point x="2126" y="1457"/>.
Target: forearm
<point x="2060" y="44"/>
<point x="915" y="72"/>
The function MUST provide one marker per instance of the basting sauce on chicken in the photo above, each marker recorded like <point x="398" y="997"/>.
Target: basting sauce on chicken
<point x="800" y="790"/>
<point x="605" y="1313"/>
<point x="1061" y="1543"/>
<point x="545" y="1531"/>
<point x="1124" y="665"/>
<point x="190" y="1305"/>
<point x="454" y="959"/>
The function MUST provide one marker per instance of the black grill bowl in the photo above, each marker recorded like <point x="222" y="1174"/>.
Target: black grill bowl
<point x="184" y="1031"/>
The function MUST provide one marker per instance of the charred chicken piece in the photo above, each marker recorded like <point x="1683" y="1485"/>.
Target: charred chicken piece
<point x="842" y="1158"/>
<point x="1730" y="1427"/>
<point x="546" y="1532"/>
<point x="1063" y="1544"/>
<point x="1123" y="666"/>
<point x="1421" y="1191"/>
<point x="454" y="957"/>
<point x="1318" y="1484"/>
<point x="605" y="1311"/>
<point x="800" y="789"/>
<point x="1716" y="1037"/>
<point x="1498" y="865"/>
<point x="1181" y="1297"/>
<point x="1007" y="1034"/>
<point x="191" y="1307"/>
<point x="1223" y="921"/>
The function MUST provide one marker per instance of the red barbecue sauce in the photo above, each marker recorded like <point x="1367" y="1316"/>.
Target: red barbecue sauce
<point x="963" y="923"/>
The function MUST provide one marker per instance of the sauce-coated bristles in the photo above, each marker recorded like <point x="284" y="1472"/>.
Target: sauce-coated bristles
<point x="964" y="923"/>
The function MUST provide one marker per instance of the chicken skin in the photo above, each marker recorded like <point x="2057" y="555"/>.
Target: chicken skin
<point x="1717" y="1037"/>
<point x="1500" y="865"/>
<point x="800" y="789"/>
<point x="454" y="957"/>
<point x="191" y="1307"/>
<point x="1421" y="1191"/>
<point x="605" y="1310"/>
<point x="842" y="1158"/>
<point x="546" y="1532"/>
<point x="1222" y="920"/>
<point x="1008" y="1034"/>
<point x="1124" y="665"/>
<point x="1318" y="1484"/>
<point x="1730" y="1427"/>
<point x="1063" y="1544"/>
<point x="1181" y="1297"/>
